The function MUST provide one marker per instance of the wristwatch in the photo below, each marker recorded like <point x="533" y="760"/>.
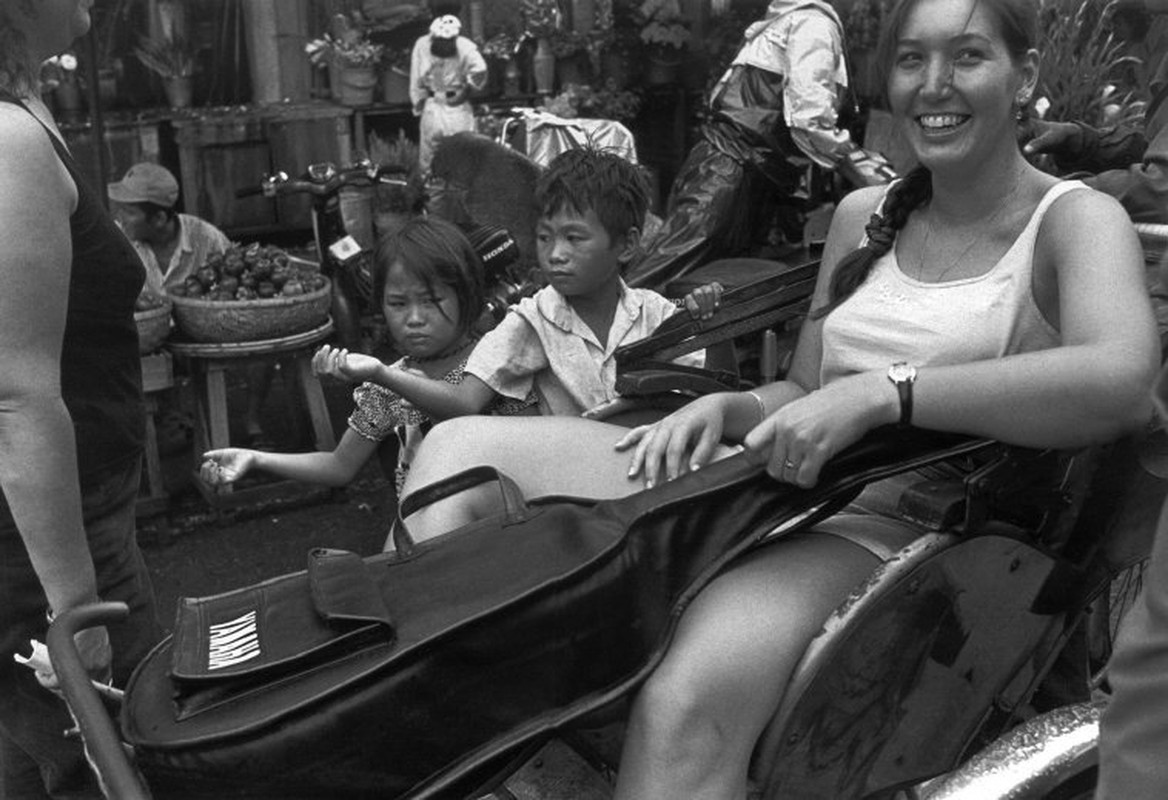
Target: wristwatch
<point x="903" y="374"/>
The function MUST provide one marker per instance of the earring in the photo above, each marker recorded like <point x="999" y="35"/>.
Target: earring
<point x="1020" y="102"/>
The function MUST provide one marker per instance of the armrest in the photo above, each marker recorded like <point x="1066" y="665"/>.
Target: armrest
<point x="752" y="307"/>
<point x="654" y="378"/>
<point x="103" y="743"/>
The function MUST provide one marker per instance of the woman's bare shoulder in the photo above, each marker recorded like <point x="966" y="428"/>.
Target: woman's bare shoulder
<point x="1085" y="218"/>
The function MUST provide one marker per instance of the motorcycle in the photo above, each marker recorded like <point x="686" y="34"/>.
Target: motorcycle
<point x="344" y="259"/>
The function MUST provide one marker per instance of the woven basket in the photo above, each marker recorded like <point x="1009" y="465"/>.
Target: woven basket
<point x="153" y="327"/>
<point x="250" y="320"/>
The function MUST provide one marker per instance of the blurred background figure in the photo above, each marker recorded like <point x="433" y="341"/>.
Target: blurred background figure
<point x="444" y="68"/>
<point x="776" y="105"/>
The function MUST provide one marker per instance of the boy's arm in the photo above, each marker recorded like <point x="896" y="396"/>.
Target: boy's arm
<point x="703" y="301"/>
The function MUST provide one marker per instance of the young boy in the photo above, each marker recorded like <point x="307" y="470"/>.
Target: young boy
<point x="561" y="341"/>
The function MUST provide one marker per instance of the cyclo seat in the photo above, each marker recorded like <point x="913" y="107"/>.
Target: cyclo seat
<point x="944" y="645"/>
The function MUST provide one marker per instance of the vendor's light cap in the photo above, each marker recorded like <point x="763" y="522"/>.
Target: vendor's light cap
<point x="145" y="183"/>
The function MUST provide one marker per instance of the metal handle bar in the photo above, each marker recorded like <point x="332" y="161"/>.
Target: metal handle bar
<point x="324" y="180"/>
<point x="97" y="729"/>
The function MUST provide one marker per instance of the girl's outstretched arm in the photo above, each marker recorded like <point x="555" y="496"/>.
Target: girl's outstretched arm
<point x="336" y="468"/>
<point x="435" y="398"/>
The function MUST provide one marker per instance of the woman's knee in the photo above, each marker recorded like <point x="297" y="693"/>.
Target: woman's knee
<point x="677" y="716"/>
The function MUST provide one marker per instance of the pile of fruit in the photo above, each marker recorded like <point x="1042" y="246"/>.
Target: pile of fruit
<point x="252" y="272"/>
<point x="147" y="301"/>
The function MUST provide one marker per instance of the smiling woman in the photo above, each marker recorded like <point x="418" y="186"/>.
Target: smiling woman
<point x="1021" y="317"/>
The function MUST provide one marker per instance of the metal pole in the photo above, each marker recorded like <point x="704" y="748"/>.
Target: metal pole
<point x="96" y="118"/>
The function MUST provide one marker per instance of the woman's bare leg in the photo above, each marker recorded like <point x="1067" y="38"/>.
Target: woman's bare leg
<point x="696" y="721"/>
<point x="543" y="455"/>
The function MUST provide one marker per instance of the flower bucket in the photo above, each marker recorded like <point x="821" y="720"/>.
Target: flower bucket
<point x="662" y="67"/>
<point x="357" y="85"/>
<point x="178" y="92"/>
<point x="68" y="97"/>
<point x="543" y="65"/>
<point x="395" y="86"/>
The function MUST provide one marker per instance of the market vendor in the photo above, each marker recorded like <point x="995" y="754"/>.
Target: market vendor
<point x="171" y="245"/>
<point x="777" y="103"/>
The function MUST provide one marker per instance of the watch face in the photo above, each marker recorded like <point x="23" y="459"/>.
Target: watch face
<point x="902" y="371"/>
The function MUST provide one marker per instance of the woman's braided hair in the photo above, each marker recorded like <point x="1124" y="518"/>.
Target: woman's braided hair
<point x="910" y="192"/>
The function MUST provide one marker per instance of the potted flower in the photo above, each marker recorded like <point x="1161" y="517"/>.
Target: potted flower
<point x="499" y="51"/>
<point x="59" y="76"/>
<point x="173" y="60"/>
<point x="664" y="34"/>
<point x="352" y="62"/>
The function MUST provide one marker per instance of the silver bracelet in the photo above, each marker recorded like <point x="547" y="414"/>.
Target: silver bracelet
<point x="762" y="412"/>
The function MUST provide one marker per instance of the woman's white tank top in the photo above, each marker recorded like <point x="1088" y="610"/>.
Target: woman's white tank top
<point x="894" y="317"/>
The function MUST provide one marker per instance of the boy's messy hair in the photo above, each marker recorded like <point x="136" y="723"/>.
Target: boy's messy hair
<point x="435" y="252"/>
<point x="589" y="179"/>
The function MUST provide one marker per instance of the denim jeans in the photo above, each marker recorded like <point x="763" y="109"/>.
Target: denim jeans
<point x="36" y="761"/>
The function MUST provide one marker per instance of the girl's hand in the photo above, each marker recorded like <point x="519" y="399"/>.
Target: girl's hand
<point x="683" y="441"/>
<point x="338" y="362"/>
<point x="221" y="467"/>
<point x="798" y="439"/>
<point x="703" y="301"/>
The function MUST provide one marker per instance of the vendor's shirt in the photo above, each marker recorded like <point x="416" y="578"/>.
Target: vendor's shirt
<point x="543" y="345"/>
<point x="197" y="241"/>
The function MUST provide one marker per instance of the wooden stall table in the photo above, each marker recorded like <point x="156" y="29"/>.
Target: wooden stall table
<point x="208" y="365"/>
<point x="157" y="376"/>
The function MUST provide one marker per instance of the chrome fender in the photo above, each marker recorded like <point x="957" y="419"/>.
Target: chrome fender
<point x="1028" y="761"/>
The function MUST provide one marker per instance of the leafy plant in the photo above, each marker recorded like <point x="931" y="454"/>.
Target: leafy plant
<point x="397" y="59"/>
<point x="169" y="57"/>
<point x="663" y="25"/>
<point x="356" y="51"/>
<point x="541" y="18"/>
<point x="501" y="46"/>
<point x="863" y="22"/>
<point x="1082" y="66"/>
<point x="608" y="102"/>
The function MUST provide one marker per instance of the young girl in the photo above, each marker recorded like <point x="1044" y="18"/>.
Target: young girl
<point x="444" y="67"/>
<point x="431" y="293"/>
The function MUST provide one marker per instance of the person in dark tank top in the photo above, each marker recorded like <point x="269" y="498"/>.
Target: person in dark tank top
<point x="72" y="419"/>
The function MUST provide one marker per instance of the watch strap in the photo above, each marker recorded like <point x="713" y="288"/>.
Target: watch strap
<point x="905" y="389"/>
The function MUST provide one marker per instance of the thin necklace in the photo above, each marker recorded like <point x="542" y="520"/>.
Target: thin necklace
<point x="988" y="226"/>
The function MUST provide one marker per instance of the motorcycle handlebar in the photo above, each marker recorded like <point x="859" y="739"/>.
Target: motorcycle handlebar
<point x="102" y="739"/>
<point x="331" y="182"/>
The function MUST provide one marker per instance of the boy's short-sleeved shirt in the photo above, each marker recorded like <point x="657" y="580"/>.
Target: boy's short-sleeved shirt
<point x="542" y="344"/>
